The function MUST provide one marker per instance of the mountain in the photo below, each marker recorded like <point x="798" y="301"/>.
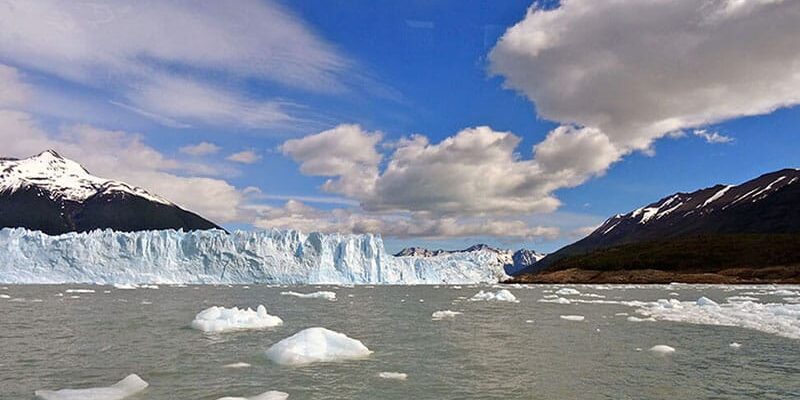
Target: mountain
<point x="513" y="262"/>
<point x="752" y="225"/>
<point x="55" y="195"/>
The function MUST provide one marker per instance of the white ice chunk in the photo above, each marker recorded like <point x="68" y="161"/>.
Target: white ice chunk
<point x="662" y="349"/>
<point x="4" y="296"/>
<point x="735" y="345"/>
<point x="316" y="345"/>
<point x="271" y="395"/>
<point x="557" y="300"/>
<point x="500" y="295"/>
<point x="125" y="388"/>
<point x="775" y="318"/>
<point x="125" y="286"/>
<point x="567" y="292"/>
<point x="400" y="376"/>
<point x="705" y="301"/>
<point x="237" y="365"/>
<point x="573" y="317"/>
<point x="315" y="295"/>
<point x="437" y="315"/>
<point x="221" y="319"/>
<point x="79" y="291"/>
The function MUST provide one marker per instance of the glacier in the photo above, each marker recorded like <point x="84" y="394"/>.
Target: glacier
<point x="217" y="257"/>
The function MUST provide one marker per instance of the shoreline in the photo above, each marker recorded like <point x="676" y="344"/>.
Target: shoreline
<point x="744" y="276"/>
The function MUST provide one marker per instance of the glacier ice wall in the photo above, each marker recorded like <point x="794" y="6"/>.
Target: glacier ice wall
<point x="274" y="256"/>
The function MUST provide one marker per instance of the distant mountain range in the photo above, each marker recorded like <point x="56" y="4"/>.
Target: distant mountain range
<point x="752" y="225"/>
<point x="55" y="195"/>
<point x="514" y="262"/>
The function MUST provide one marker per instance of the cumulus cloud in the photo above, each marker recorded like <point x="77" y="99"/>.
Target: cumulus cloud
<point x="477" y="171"/>
<point x="244" y="157"/>
<point x="297" y="215"/>
<point x="200" y="149"/>
<point x="634" y="71"/>
<point x="346" y="152"/>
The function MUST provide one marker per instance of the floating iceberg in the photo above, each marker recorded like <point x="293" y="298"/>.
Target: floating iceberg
<point x="500" y="295"/>
<point x="573" y="317"/>
<point x="662" y="349"/>
<point x="237" y="365"/>
<point x="201" y="257"/>
<point x="125" y="388"/>
<point x="437" y="315"/>
<point x="400" y="376"/>
<point x="315" y="295"/>
<point x="316" y="345"/>
<point x="271" y="395"/>
<point x="221" y="319"/>
<point x="567" y="292"/>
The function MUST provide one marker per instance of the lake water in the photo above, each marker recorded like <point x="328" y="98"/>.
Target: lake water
<point x="494" y="350"/>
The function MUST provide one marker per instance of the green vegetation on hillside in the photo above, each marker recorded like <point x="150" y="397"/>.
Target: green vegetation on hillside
<point x="705" y="253"/>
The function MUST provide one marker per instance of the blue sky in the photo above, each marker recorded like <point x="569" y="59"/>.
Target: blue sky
<point x="618" y="120"/>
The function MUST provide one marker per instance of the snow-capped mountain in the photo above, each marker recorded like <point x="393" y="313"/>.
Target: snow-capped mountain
<point x="53" y="194"/>
<point x="769" y="204"/>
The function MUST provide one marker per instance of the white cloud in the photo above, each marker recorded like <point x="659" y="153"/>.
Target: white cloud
<point x="126" y="157"/>
<point x="180" y="99"/>
<point x="712" y="137"/>
<point x="175" y="61"/>
<point x="297" y="215"/>
<point x="346" y="152"/>
<point x="635" y="71"/>
<point x="477" y="171"/>
<point x="85" y="41"/>
<point x="200" y="149"/>
<point x="244" y="157"/>
<point x="13" y="91"/>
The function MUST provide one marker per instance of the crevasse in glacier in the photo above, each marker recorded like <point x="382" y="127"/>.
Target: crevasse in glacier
<point x="272" y="256"/>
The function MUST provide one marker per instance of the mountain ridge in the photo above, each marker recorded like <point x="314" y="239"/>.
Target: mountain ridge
<point x="55" y="195"/>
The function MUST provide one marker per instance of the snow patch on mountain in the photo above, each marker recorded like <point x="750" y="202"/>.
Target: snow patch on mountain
<point x="62" y="179"/>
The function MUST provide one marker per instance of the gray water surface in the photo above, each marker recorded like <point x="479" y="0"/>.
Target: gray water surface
<point x="488" y="352"/>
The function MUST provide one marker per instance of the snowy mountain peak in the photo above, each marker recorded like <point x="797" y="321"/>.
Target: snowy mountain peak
<point x="62" y="179"/>
<point x="715" y="199"/>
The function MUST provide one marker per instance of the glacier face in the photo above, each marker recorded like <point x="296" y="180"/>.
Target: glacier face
<point x="198" y="257"/>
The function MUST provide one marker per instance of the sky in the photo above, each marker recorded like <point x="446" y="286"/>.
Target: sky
<point x="438" y="124"/>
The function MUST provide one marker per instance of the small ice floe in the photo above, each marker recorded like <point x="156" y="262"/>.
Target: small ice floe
<point x="74" y="297"/>
<point x="705" y="301"/>
<point x="456" y="287"/>
<point x="567" y="292"/>
<point x="742" y="298"/>
<point x="221" y="319"/>
<point x="237" y="365"/>
<point x="637" y="319"/>
<point x="351" y="295"/>
<point x="4" y="296"/>
<point x="271" y="395"/>
<point x="500" y="295"/>
<point x="438" y="315"/>
<point x="148" y="286"/>
<point x="145" y="302"/>
<point x="528" y="321"/>
<point x="17" y="300"/>
<point x="783" y="292"/>
<point x="621" y="314"/>
<point x="735" y="345"/>
<point x="79" y="291"/>
<point x="399" y="376"/>
<point x="573" y="317"/>
<point x="331" y="296"/>
<point x="106" y="291"/>
<point x="125" y="286"/>
<point x="123" y="389"/>
<point x="421" y="300"/>
<point x="557" y="300"/>
<point x="314" y="345"/>
<point x="593" y="295"/>
<point x="674" y="294"/>
<point x="662" y="349"/>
